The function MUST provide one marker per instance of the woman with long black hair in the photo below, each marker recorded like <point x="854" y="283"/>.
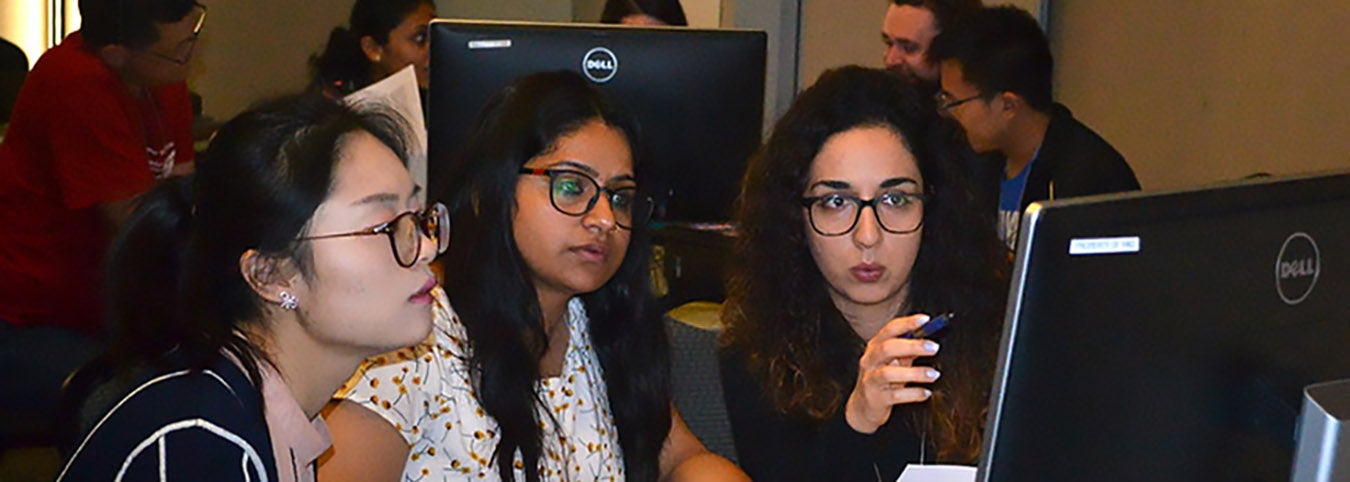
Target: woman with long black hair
<point x="250" y="290"/>
<point x="553" y="363"/>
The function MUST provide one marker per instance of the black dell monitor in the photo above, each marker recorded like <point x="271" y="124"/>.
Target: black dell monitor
<point x="1170" y="336"/>
<point x="697" y="96"/>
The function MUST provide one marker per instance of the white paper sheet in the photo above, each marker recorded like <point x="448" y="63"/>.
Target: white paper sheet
<point x="399" y="94"/>
<point x="937" y="473"/>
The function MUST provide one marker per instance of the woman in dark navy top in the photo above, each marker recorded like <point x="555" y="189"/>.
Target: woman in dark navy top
<point x="852" y="229"/>
<point x="254" y="288"/>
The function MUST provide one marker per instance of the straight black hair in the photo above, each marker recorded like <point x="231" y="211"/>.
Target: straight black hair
<point x="175" y="287"/>
<point x="1001" y="49"/>
<point x="490" y="286"/>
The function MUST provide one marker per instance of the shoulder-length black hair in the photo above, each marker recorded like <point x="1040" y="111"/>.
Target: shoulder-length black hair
<point x="490" y="288"/>
<point x="174" y="280"/>
<point x="343" y="65"/>
<point x="778" y="311"/>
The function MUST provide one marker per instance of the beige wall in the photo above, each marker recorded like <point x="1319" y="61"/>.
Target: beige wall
<point x="703" y="13"/>
<point x="839" y="32"/>
<point x="587" y="10"/>
<point x="779" y="21"/>
<point x="1194" y="92"/>
<point x="255" y="49"/>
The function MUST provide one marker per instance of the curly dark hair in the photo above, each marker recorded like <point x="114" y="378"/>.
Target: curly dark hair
<point x="778" y="311"/>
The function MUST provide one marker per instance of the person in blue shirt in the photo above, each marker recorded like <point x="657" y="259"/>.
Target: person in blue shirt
<point x="997" y="77"/>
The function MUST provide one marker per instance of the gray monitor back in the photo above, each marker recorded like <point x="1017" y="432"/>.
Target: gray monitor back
<point x="1169" y="336"/>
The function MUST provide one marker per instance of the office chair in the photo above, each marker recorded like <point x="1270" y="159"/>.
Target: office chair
<point x="696" y="379"/>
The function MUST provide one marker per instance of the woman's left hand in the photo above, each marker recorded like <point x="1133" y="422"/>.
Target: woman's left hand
<point x="886" y="373"/>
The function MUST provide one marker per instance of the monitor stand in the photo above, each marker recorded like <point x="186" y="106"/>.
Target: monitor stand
<point x="1323" y="453"/>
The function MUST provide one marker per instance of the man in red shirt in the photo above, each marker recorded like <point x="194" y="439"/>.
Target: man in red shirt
<point x="99" y="119"/>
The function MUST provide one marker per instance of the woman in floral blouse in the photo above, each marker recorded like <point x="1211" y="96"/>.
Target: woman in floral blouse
<point x="552" y="364"/>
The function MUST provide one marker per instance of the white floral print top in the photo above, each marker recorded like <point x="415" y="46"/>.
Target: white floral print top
<point x="426" y="392"/>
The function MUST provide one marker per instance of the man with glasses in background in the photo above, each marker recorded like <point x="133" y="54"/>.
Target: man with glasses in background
<point x="996" y="75"/>
<point x="907" y="32"/>
<point x="100" y="118"/>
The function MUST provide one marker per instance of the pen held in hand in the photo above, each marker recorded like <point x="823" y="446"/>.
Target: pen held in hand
<point x="929" y="329"/>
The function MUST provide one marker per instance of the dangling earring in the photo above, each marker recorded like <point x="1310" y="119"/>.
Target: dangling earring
<point x="289" y="301"/>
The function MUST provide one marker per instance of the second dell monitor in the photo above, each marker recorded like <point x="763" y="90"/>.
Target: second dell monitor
<point x="698" y="96"/>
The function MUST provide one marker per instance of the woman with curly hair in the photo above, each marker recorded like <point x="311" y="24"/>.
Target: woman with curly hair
<point x="854" y="227"/>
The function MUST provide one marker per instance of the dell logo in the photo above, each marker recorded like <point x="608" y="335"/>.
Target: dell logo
<point x="1297" y="268"/>
<point x="600" y="64"/>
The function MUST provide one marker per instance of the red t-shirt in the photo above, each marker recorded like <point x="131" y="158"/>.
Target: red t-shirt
<point x="77" y="138"/>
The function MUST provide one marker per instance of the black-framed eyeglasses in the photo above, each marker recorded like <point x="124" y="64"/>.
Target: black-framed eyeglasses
<point x="945" y="104"/>
<point x="183" y="53"/>
<point x="838" y="214"/>
<point x="405" y="233"/>
<point x="574" y="193"/>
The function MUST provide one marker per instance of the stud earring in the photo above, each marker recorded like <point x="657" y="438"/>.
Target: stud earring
<point x="289" y="301"/>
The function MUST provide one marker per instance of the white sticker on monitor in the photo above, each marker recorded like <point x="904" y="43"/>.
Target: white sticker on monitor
<point x="490" y="44"/>
<point x="1091" y="246"/>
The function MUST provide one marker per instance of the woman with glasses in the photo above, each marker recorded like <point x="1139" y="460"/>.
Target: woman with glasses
<point x="255" y="287"/>
<point x="852" y="231"/>
<point x="552" y="365"/>
<point x="382" y="37"/>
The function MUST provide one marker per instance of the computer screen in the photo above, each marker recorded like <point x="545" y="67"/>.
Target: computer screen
<point x="1169" y="336"/>
<point x="697" y="96"/>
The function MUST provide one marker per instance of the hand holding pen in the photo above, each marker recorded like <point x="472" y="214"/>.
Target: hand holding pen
<point x="886" y="370"/>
